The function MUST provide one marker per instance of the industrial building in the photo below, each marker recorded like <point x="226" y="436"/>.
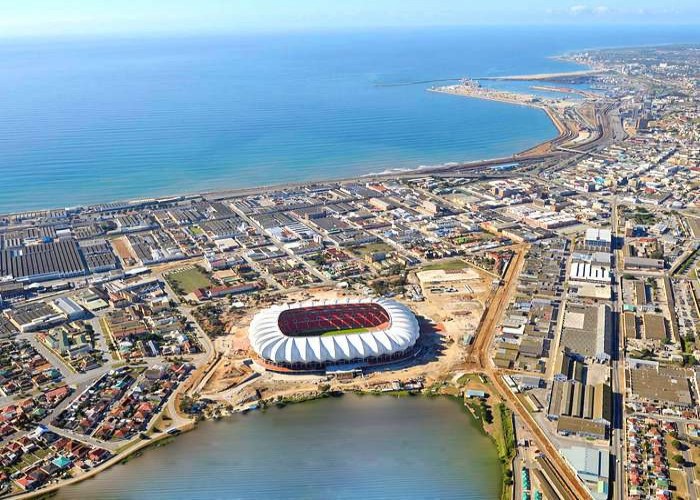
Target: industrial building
<point x="651" y="382"/>
<point x="44" y="261"/>
<point x="594" y="267"/>
<point x="587" y="331"/>
<point x="597" y="240"/>
<point x="592" y="465"/>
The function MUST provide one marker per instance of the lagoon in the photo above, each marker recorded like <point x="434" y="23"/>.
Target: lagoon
<point x="370" y="447"/>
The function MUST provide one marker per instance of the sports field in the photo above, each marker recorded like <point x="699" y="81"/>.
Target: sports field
<point x="188" y="280"/>
<point x="347" y="331"/>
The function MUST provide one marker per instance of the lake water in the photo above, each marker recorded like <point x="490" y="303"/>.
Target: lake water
<point x="340" y="448"/>
<point x="94" y="120"/>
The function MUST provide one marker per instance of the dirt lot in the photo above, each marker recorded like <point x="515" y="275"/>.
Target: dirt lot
<point x="445" y="318"/>
<point x="454" y="298"/>
<point x="229" y="373"/>
<point x="123" y="249"/>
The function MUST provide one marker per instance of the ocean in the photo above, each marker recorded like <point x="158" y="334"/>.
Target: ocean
<point x="371" y="447"/>
<point x="89" y="120"/>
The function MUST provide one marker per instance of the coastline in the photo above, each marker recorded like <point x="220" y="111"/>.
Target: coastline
<point x="389" y="173"/>
<point x="477" y="252"/>
<point x="190" y="424"/>
<point x="234" y="192"/>
<point x="547" y="109"/>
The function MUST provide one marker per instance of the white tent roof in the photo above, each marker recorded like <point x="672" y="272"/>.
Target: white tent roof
<point x="270" y="343"/>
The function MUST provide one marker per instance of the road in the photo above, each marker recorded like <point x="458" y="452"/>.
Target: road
<point x="481" y="352"/>
<point x="687" y="455"/>
<point x="609" y="130"/>
<point x="566" y="475"/>
<point x="546" y="76"/>
<point x="281" y="246"/>
<point x="617" y="379"/>
<point x="551" y="363"/>
<point x="495" y="307"/>
<point x="81" y="381"/>
<point x="50" y="355"/>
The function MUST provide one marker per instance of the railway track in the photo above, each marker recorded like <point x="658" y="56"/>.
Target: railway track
<point x="573" y="488"/>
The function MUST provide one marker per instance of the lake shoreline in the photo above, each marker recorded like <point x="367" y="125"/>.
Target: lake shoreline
<point x="142" y="448"/>
<point x="339" y="395"/>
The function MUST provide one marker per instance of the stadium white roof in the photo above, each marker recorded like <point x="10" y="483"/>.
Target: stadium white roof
<point x="272" y="344"/>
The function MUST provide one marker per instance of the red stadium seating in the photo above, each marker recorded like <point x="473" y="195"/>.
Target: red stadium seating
<point x="315" y="320"/>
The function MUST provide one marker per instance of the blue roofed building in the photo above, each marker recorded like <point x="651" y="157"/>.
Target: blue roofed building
<point x="592" y="465"/>
<point x="61" y="462"/>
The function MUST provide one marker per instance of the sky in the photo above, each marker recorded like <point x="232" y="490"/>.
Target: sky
<point x="81" y="17"/>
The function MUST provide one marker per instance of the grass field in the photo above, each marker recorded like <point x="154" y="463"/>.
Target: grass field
<point x="373" y="248"/>
<point x="448" y="265"/>
<point x="504" y="435"/>
<point x="348" y="331"/>
<point x="188" y="280"/>
<point x="679" y="484"/>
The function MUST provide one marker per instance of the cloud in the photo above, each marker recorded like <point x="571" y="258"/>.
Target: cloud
<point x="578" y="9"/>
<point x="587" y="10"/>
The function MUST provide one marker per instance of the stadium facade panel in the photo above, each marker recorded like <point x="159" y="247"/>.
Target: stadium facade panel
<point x="315" y="334"/>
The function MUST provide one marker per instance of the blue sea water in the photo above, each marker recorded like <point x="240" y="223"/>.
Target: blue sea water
<point x="90" y="120"/>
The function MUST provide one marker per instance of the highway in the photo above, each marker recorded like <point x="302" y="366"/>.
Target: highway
<point x="617" y="379"/>
<point x="608" y="130"/>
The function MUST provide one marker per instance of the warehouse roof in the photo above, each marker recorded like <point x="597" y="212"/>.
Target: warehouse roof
<point x="59" y="259"/>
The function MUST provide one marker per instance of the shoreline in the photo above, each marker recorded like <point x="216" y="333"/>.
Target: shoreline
<point x="235" y="192"/>
<point x="247" y="191"/>
<point x="190" y="424"/>
<point x="546" y="76"/>
<point x="136" y="444"/>
<point x="398" y="171"/>
<point x="509" y="97"/>
<point x="143" y="446"/>
<point x="120" y="458"/>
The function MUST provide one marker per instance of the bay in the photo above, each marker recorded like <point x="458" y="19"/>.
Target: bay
<point x="89" y="120"/>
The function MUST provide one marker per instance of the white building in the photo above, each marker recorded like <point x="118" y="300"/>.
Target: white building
<point x="315" y="334"/>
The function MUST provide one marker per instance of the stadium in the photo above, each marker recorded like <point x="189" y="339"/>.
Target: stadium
<point x="317" y="335"/>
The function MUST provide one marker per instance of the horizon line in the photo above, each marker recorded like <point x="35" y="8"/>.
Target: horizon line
<point x="184" y="33"/>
